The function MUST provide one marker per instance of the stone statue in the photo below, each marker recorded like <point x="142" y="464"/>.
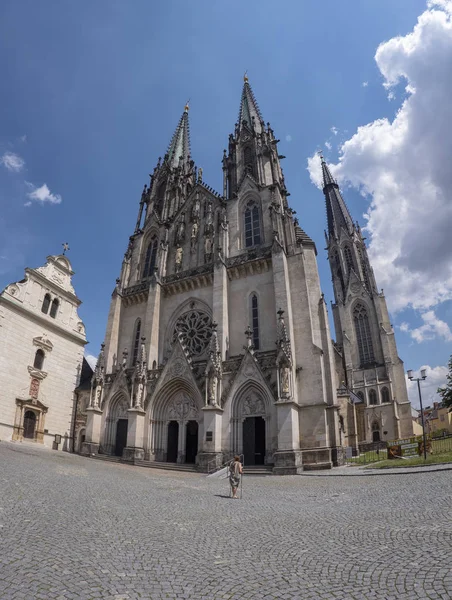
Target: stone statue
<point x="139" y="396"/>
<point x="285" y="388"/>
<point x="180" y="231"/>
<point x="178" y="259"/>
<point x="208" y="248"/>
<point x="194" y="235"/>
<point x="212" y="390"/>
<point x="196" y="208"/>
<point x="200" y="174"/>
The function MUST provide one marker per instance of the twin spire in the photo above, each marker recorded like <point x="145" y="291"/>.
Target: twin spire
<point x="249" y="115"/>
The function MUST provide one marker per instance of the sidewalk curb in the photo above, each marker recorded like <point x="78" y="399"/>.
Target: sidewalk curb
<point x="402" y="471"/>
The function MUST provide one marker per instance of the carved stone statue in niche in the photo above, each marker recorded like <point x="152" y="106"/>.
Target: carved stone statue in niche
<point x="178" y="259"/>
<point x="194" y="236"/>
<point x="212" y="389"/>
<point x="196" y="210"/>
<point x="208" y="249"/>
<point x="139" y="397"/>
<point x="284" y="380"/>
<point x="180" y="233"/>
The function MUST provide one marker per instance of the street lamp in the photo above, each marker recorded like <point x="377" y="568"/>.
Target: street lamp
<point x="418" y="379"/>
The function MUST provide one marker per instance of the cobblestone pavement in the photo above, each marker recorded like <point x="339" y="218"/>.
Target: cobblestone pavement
<point x="76" y="528"/>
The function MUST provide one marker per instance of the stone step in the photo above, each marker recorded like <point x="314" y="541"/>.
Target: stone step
<point x="258" y="470"/>
<point x="106" y="457"/>
<point x="167" y="466"/>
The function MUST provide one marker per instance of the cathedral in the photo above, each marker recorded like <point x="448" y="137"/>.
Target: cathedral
<point x="218" y="340"/>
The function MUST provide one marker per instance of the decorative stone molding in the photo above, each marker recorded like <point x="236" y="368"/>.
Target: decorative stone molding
<point x="36" y="373"/>
<point x="43" y="342"/>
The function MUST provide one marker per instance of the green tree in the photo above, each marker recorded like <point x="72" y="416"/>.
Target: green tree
<point x="446" y="391"/>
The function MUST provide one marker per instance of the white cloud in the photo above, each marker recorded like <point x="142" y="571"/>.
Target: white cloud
<point x="315" y="170"/>
<point x="29" y="203"/>
<point x="403" y="165"/>
<point x="12" y="161"/>
<point x="334" y="130"/>
<point x="23" y="138"/>
<point x="365" y="83"/>
<point x="91" y="360"/>
<point x="328" y="145"/>
<point x="288" y="138"/>
<point x="436" y="377"/>
<point x="432" y="328"/>
<point x="43" y="194"/>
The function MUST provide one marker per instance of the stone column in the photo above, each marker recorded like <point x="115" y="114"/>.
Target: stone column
<point x="211" y="455"/>
<point x="288" y="457"/>
<point x="92" y="431"/>
<point x="135" y="435"/>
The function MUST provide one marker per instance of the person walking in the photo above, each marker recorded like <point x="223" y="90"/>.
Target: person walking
<point x="235" y="472"/>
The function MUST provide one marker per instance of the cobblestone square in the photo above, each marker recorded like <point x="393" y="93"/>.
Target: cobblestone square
<point x="76" y="528"/>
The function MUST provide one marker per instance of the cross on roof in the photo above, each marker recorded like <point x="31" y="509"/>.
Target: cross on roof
<point x="65" y="248"/>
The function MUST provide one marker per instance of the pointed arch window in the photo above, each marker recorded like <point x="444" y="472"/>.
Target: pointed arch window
<point x="46" y="304"/>
<point x="54" y="308"/>
<point x="348" y="258"/>
<point x="360" y="395"/>
<point x="254" y="309"/>
<point x="160" y="199"/>
<point x="373" y="397"/>
<point x="363" y="335"/>
<point x="150" y="259"/>
<point x="385" y="395"/>
<point x="39" y="359"/>
<point x="252" y="225"/>
<point x="248" y="160"/>
<point x="136" y="341"/>
<point x="341" y="280"/>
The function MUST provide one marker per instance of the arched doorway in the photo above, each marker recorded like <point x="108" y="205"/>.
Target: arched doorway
<point x="191" y="442"/>
<point x="376" y="432"/>
<point x="29" y="425"/>
<point x="250" y="425"/>
<point x="115" y="432"/>
<point x="121" y="436"/>
<point x="254" y="441"/>
<point x="173" y="441"/>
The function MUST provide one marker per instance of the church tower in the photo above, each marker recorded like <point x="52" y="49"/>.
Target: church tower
<point x="217" y="339"/>
<point x="364" y="334"/>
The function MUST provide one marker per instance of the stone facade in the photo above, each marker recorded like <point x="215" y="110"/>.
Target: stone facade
<point x="218" y="339"/>
<point x="41" y="351"/>
<point x="367" y="360"/>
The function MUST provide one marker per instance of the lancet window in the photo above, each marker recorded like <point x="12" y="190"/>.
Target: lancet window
<point x="255" y="320"/>
<point x="54" y="308"/>
<point x="252" y="225"/>
<point x="136" y="341"/>
<point x="363" y="335"/>
<point x="372" y="397"/>
<point x="150" y="259"/>
<point x="46" y="304"/>
<point x="39" y="359"/>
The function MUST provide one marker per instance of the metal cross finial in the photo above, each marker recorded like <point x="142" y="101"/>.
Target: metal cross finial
<point x="245" y="76"/>
<point x="187" y="105"/>
<point x="65" y="247"/>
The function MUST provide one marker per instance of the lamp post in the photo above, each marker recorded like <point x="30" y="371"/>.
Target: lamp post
<point x="418" y="379"/>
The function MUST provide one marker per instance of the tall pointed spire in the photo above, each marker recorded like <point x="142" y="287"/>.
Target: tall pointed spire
<point x="180" y="142"/>
<point x="249" y="110"/>
<point x="336" y="210"/>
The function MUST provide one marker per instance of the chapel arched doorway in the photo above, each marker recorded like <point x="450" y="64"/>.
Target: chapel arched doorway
<point x="121" y="436"/>
<point x="29" y="425"/>
<point x="191" y="442"/>
<point x="254" y="441"/>
<point x="173" y="442"/>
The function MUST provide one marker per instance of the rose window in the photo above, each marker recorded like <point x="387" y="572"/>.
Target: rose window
<point x="196" y="330"/>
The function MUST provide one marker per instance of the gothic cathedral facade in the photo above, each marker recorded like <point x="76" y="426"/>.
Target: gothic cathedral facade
<point x="218" y="340"/>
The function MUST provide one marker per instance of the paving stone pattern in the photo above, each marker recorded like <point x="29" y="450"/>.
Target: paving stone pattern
<point x="76" y="528"/>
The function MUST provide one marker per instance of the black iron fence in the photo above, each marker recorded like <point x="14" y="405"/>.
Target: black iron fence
<point x="369" y="452"/>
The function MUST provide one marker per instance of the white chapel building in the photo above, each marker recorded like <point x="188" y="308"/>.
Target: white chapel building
<point x="42" y="342"/>
<point x="218" y="339"/>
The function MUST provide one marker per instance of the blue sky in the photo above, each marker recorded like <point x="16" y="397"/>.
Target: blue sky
<point x="92" y="91"/>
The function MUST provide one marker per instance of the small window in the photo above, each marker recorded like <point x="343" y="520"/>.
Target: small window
<point x="252" y="225"/>
<point x="372" y="397"/>
<point x="150" y="258"/>
<point x="54" y="308"/>
<point x="360" y="395"/>
<point x="255" y="321"/>
<point x="384" y="395"/>
<point x="46" y="304"/>
<point x="136" y="341"/>
<point x="39" y="359"/>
